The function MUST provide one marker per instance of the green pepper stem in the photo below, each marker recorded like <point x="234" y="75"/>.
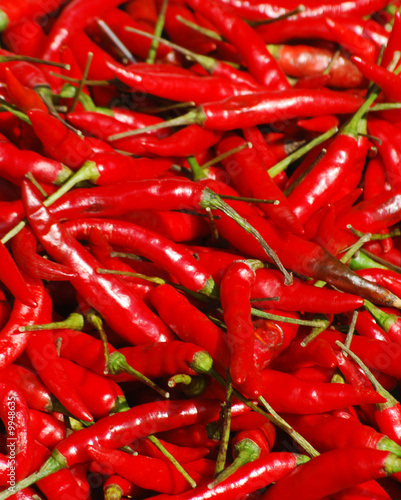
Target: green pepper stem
<point x="246" y="451"/>
<point x="195" y="116"/>
<point x="53" y="464"/>
<point x="385" y="320"/>
<point x="225" y="433"/>
<point x="34" y="60"/>
<point x="272" y="416"/>
<point x="161" y="18"/>
<point x="391" y="401"/>
<point x="393" y="233"/>
<point x="88" y="171"/>
<point x="388" y="444"/>
<point x="200" y="29"/>
<point x="294" y="321"/>
<point x="174" y="461"/>
<point x="316" y="331"/>
<point x="213" y="201"/>
<point x="283" y="164"/>
<point x="118" y="364"/>
<point x="362" y="261"/>
<point x="74" y="321"/>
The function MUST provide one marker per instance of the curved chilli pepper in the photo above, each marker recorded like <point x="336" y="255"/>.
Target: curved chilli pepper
<point x="176" y="226"/>
<point x="304" y="61"/>
<point x="343" y="468"/>
<point x="101" y="249"/>
<point x="195" y="435"/>
<point x="304" y="257"/>
<point x="117" y="20"/>
<point x="247" y="479"/>
<point x="389" y="149"/>
<point x="235" y="295"/>
<point x="152" y="360"/>
<point x="15" y="39"/>
<point x="260" y="11"/>
<point x="369" y="488"/>
<point x="353" y="42"/>
<point x="184" y="35"/>
<point x="101" y="125"/>
<point x="187" y="87"/>
<point x="189" y="323"/>
<point x="71" y="20"/>
<point x="24" y="252"/>
<point x="385" y="277"/>
<point x="47" y="430"/>
<point x="147" y="472"/>
<point x="367" y="327"/>
<point x="11" y="212"/>
<point x="20" y="442"/>
<point x="122" y="198"/>
<point x="11" y="12"/>
<point x="327" y="177"/>
<point x="110" y="167"/>
<point x="248" y="172"/>
<point x="295" y="27"/>
<point x="191" y="140"/>
<point x="246" y="40"/>
<point x="43" y="355"/>
<point x="12" y="278"/>
<point x="183" y="454"/>
<point x="35" y="393"/>
<point x="23" y="97"/>
<point x="393" y="43"/>
<point x="377" y="354"/>
<point x="12" y="342"/>
<point x="16" y="163"/>
<point x="300" y="296"/>
<point x="319" y="123"/>
<point x="288" y="394"/>
<point x="328" y="432"/>
<point x="121" y="429"/>
<point x="319" y="352"/>
<point x="172" y="257"/>
<point x="122" y="310"/>
<point x="263" y="107"/>
<point x="63" y="144"/>
<point x="386" y="80"/>
<point x="116" y="487"/>
<point x="101" y="395"/>
<point x="63" y="484"/>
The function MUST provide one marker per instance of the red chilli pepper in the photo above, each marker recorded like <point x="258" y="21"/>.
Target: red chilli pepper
<point x="343" y="468"/>
<point x="288" y="394"/>
<point x="248" y="172"/>
<point x="122" y="310"/>
<point x="250" y="46"/>
<point x="235" y="295"/>
<point x="20" y="445"/>
<point x="12" y="342"/>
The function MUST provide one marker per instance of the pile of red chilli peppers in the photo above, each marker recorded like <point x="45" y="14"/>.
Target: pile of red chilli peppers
<point x="200" y="256"/>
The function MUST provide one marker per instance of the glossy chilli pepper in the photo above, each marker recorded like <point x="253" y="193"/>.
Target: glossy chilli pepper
<point x="247" y="171"/>
<point x="122" y="429"/>
<point x="344" y="468"/>
<point x="129" y="316"/>
<point x="15" y="415"/>
<point x="235" y="294"/>
<point x="13" y="343"/>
